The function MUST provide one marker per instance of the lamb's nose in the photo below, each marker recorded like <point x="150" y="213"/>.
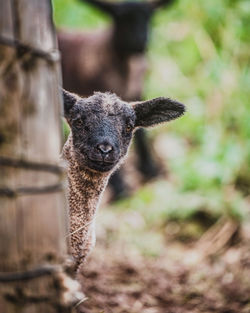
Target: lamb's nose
<point x="104" y="148"/>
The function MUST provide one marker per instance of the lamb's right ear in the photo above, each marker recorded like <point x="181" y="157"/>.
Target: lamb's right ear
<point x="69" y="99"/>
<point x="151" y="112"/>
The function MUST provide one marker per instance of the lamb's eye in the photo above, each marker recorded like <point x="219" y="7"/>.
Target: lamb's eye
<point x="78" y="123"/>
<point x="128" y="128"/>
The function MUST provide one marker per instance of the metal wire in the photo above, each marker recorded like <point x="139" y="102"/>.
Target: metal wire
<point x="51" y="56"/>
<point x="13" y="193"/>
<point x="29" y="165"/>
<point x="29" y="274"/>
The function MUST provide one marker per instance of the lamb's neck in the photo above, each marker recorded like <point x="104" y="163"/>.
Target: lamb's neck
<point x="85" y="190"/>
<point x="84" y="193"/>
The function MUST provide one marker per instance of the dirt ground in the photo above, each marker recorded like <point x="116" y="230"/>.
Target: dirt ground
<point x="180" y="280"/>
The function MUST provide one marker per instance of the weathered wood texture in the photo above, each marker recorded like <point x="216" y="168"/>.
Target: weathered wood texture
<point x="33" y="225"/>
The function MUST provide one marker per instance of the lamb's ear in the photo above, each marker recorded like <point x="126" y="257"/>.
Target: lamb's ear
<point x="69" y="99"/>
<point x="155" y="111"/>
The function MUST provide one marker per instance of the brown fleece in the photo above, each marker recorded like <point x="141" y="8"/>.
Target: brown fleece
<point x="84" y="193"/>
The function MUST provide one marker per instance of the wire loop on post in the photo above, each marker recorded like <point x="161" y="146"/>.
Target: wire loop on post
<point x="29" y="165"/>
<point x="13" y="193"/>
<point x="51" y="56"/>
<point x="27" y="275"/>
<point x="34" y="166"/>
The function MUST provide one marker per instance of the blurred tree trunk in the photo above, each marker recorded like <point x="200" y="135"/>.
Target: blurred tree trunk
<point x="33" y="217"/>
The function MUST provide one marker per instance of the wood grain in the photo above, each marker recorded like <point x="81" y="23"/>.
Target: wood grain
<point x="33" y="227"/>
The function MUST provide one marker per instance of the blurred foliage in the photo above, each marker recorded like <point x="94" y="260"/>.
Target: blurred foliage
<point x="198" y="53"/>
<point x="77" y="15"/>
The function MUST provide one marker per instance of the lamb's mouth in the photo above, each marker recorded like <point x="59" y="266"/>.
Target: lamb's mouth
<point x="101" y="166"/>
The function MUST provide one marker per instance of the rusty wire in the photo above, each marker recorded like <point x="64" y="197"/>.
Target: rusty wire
<point x="28" y="165"/>
<point x="29" y="274"/>
<point x="51" y="56"/>
<point x="16" y="163"/>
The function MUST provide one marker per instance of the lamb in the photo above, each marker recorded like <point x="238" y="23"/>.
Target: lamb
<point x="101" y="126"/>
<point x="113" y="60"/>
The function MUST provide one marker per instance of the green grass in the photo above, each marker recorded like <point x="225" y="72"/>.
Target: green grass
<point x="76" y="15"/>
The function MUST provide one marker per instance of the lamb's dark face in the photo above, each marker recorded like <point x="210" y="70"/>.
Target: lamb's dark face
<point x="102" y="125"/>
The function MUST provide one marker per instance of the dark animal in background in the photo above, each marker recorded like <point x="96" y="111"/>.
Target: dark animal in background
<point x="113" y="60"/>
<point x="101" y="127"/>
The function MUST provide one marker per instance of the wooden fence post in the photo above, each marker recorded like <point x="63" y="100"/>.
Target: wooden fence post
<point x="33" y="217"/>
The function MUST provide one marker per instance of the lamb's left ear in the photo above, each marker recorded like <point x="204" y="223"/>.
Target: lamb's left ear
<point x="69" y="100"/>
<point x="155" y="111"/>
